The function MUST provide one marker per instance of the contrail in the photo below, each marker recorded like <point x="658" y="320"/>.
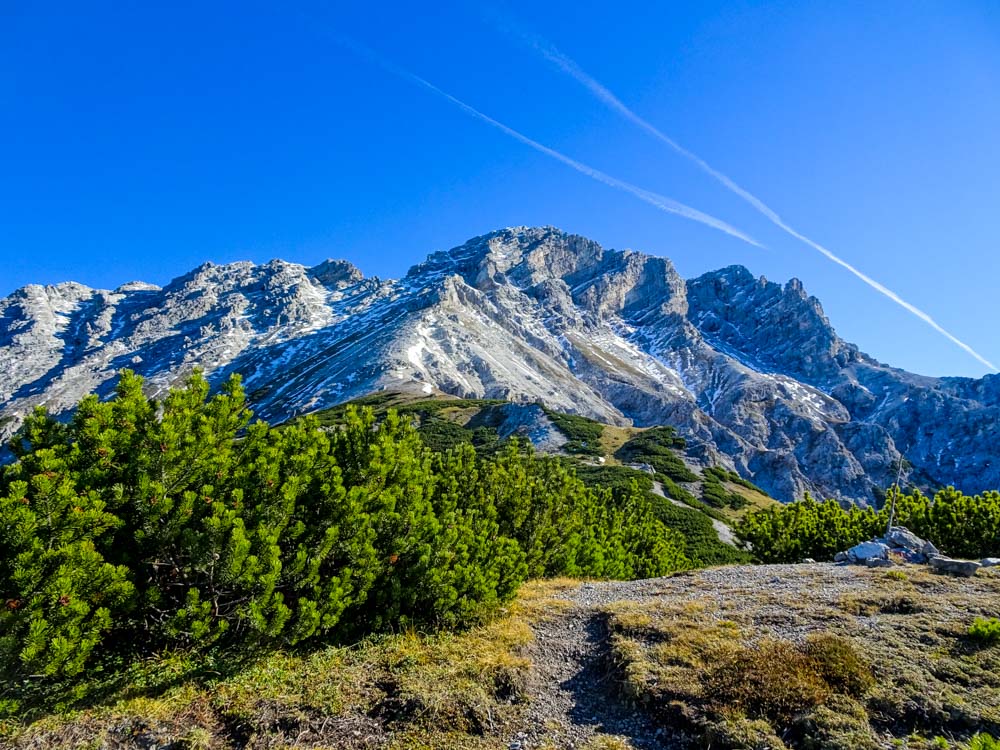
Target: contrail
<point x="661" y="202"/>
<point x="601" y="92"/>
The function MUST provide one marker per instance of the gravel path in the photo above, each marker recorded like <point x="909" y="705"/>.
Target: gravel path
<point x="573" y="696"/>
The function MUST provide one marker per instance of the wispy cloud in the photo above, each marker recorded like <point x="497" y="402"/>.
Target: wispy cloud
<point x="661" y="202"/>
<point x="569" y="66"/>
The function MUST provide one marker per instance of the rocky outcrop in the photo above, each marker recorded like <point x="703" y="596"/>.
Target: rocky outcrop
<point x="963" y="568"/>
<point x="751" y="372"/>
<point x="528" y="421"/>
<point x="899" y="543"/>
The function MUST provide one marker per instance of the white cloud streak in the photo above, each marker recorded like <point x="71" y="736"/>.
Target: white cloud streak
<point x="597" y="89"/>
<point x="662" y="202"/>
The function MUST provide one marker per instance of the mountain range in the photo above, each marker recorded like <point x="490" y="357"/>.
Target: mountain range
<point x="749" y="371"/>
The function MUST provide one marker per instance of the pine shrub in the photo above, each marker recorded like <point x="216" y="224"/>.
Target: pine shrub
<point x="960" y="525"/>
<point x="142" y="525"/>
<point x="985" y="631"/>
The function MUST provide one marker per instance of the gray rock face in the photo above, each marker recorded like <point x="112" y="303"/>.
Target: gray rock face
<point x="965" y="568"/>
<point x="531" y="422"/>
<point x="750" y="371"/>
<point x="902" y="537"/>
<point x="899" y="543"/>
<point x="866" y="551"/>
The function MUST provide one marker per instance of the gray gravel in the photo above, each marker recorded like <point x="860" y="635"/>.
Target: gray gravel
<point x="573" y="695"/>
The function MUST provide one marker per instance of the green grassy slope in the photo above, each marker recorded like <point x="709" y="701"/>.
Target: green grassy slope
<point x="602" y="455"/>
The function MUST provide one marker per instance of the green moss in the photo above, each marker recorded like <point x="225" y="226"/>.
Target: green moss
<point x="740" y="733"/>
<point x="839" y="724"/>
<point x="985" y="631"/>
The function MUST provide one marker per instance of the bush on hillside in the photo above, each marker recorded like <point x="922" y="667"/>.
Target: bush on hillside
<point x="716" y="495"/>
<point x="141" y="526"/>
<point x="960" y="525"/>
<point x="721" y="474"/>
<point x="701" y="541"/>
<point x="658" y="447"/>
<point x="985" y="631"/>
<point x="584" y="435"/>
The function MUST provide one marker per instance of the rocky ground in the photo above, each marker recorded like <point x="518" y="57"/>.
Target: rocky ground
<point x="584" y="666"/>
<point x="575" y="695"/>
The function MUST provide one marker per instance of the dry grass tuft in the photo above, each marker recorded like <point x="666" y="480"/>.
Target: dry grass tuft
<point x="411" y="690"/>
<point x="811" y="658"/>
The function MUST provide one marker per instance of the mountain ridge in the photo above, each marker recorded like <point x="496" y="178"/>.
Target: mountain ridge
<point x="749" y="370"/>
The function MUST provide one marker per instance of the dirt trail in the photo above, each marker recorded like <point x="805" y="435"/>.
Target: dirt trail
<point x="573" y="695"/>
<point x="574" y="698"/>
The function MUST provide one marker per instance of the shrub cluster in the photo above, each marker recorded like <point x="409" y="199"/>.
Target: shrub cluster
<point x="715" y="494"/>
<point x="657" y="447"/>
<point x="583" y="434"/>
<point x="736" y="689"/>
<point x="958" y="524"/>
<point x="701" y="541"/>
<point x="777" y="680"/>
<point x="140" y="525"/>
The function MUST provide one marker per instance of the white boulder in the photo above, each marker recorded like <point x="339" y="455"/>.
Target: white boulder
<point x="860" y="553"/>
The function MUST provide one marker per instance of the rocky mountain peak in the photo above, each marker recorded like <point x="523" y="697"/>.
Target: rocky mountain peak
<point x="549" y="263"/>
<point x="336" y="273"/>
<point x="750" y="371"/>
<point x="773" y="326"/>
<point x="136" y="286"/>
<point x="795" y="286"/>
<point x="524" y="256"/>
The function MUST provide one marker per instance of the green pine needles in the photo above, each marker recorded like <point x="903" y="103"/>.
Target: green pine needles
<point x="143" y="525"/>
<point x="960" y="525"/>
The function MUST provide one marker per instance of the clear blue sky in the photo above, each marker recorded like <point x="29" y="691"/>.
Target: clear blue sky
<point x="137" y="142"/>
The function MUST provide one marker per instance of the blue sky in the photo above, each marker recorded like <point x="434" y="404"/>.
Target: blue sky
<point x="137" y="142"/>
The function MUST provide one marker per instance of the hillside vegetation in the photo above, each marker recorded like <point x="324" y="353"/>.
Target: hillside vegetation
<point x="141" y="527"/>
<point x="960" y="525"/>
<point x="715" y="492"/>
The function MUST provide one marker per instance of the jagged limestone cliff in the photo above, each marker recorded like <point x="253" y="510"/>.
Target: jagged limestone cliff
<point x="750" y="371"/>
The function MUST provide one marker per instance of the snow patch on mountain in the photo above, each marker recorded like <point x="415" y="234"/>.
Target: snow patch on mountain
<point x="750" y="371"/>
